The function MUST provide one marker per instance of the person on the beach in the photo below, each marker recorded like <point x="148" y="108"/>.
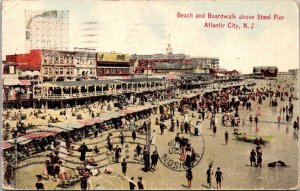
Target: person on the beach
<point x="226" y="137"/>
<point x="189" y="177"/>
<point x="252" y="157"/>
<point x="219" y="178"/>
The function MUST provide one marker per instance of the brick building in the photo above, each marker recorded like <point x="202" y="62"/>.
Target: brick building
<point x="112" y="64"/>
<point x="56" y="64"/>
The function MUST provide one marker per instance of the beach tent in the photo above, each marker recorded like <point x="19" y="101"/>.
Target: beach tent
<point x="20" y="140"/>
<point x="40" y="134"/>
<point x="6" y="145"/>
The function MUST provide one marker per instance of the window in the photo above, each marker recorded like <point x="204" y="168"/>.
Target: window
<point x="46" y="71"/>
<point x="56" y="70"/>
<point x="6" y="69"/>
<point x="61" y="70"/>
<point x="50" y="71"/>
<point x="101" y="71"/>
<point x="68" y="71"/>
<point x="56" y="59"/>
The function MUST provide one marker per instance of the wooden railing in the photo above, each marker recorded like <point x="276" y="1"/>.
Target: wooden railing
<point x="20" y="97"/>
<point x="93" y="94"/>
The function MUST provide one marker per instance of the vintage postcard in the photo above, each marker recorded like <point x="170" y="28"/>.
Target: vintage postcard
<point x="119" y="95"/>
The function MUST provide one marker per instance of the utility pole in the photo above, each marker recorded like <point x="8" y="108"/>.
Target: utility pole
<point x="15" y="163"/>
<point x="148" y="137"/>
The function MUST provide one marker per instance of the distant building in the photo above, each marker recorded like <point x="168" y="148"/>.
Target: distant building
<point x="46" y="29"/>
<point x="14" y="90"/>
<point x="26" y="62"/>
<point x="224" y="73"/>
<point x="285" y="75"/>
<point x="112" y="64"/>
<point x="177" y="67"/>
<point x="56" y="64"/>
<point x="62" y="65"/>
<point x="266" y="71"/>
<point x="143" y="66"/>
<point x="294" y="72"/>
<point x="158" y="56"/>
<point x="9" y="70"/>
<point x="207" y="62"/>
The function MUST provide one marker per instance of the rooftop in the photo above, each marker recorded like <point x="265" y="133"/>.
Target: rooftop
<point x="175" y="66"/>
<point x="97" y="82"/>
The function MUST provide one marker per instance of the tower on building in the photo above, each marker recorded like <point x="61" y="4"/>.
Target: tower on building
<point x="169" y="49"/>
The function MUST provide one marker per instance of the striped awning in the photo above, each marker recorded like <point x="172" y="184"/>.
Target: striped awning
<point x="20" y="140"/>
<point x="25" y="83"/>
<point x="128" y="111"/>
<point x="41" y="134"/>
<point x="6" y="145"/>
<point x="91" y="121"/>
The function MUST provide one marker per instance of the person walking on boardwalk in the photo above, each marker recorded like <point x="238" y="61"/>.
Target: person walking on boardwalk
<point x="131" y="184"/>
<point x="124" y="167"/>
<point x="250" y="119"/>
<point x="162" y="127"/>
<point x="214" y="130"/>
<point x="133" y="135"/>
<point x="256" y="120"/>
<point x="121" y="136"/>
<point x="226" y="137"/>
<point x="209" y="174"/>
<point x="83" y="149"/>
<point x="219" y="178"/>
<point x="140" y="183"/>
<point x="154" y="159"/>
<point x="118" y="151"/>
<point x="189" y="177"/>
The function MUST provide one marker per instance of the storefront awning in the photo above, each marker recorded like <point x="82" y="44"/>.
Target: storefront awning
<point x="39" y="134"/>
<point x="26" y="73"/>
<point x="25" y="83"/>
<point x="20" y="140"/>
<point x="6" y="145"/>
<point x="36" y="73"/>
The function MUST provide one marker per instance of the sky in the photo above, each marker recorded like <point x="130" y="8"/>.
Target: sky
<point x="142" y="27"/>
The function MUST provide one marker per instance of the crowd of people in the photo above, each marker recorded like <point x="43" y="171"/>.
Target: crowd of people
<point x="226" y="102"/>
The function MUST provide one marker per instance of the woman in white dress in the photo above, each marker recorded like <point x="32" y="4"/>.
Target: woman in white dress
<point x="153" y="138"/>
<point x="198" y="128"/>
